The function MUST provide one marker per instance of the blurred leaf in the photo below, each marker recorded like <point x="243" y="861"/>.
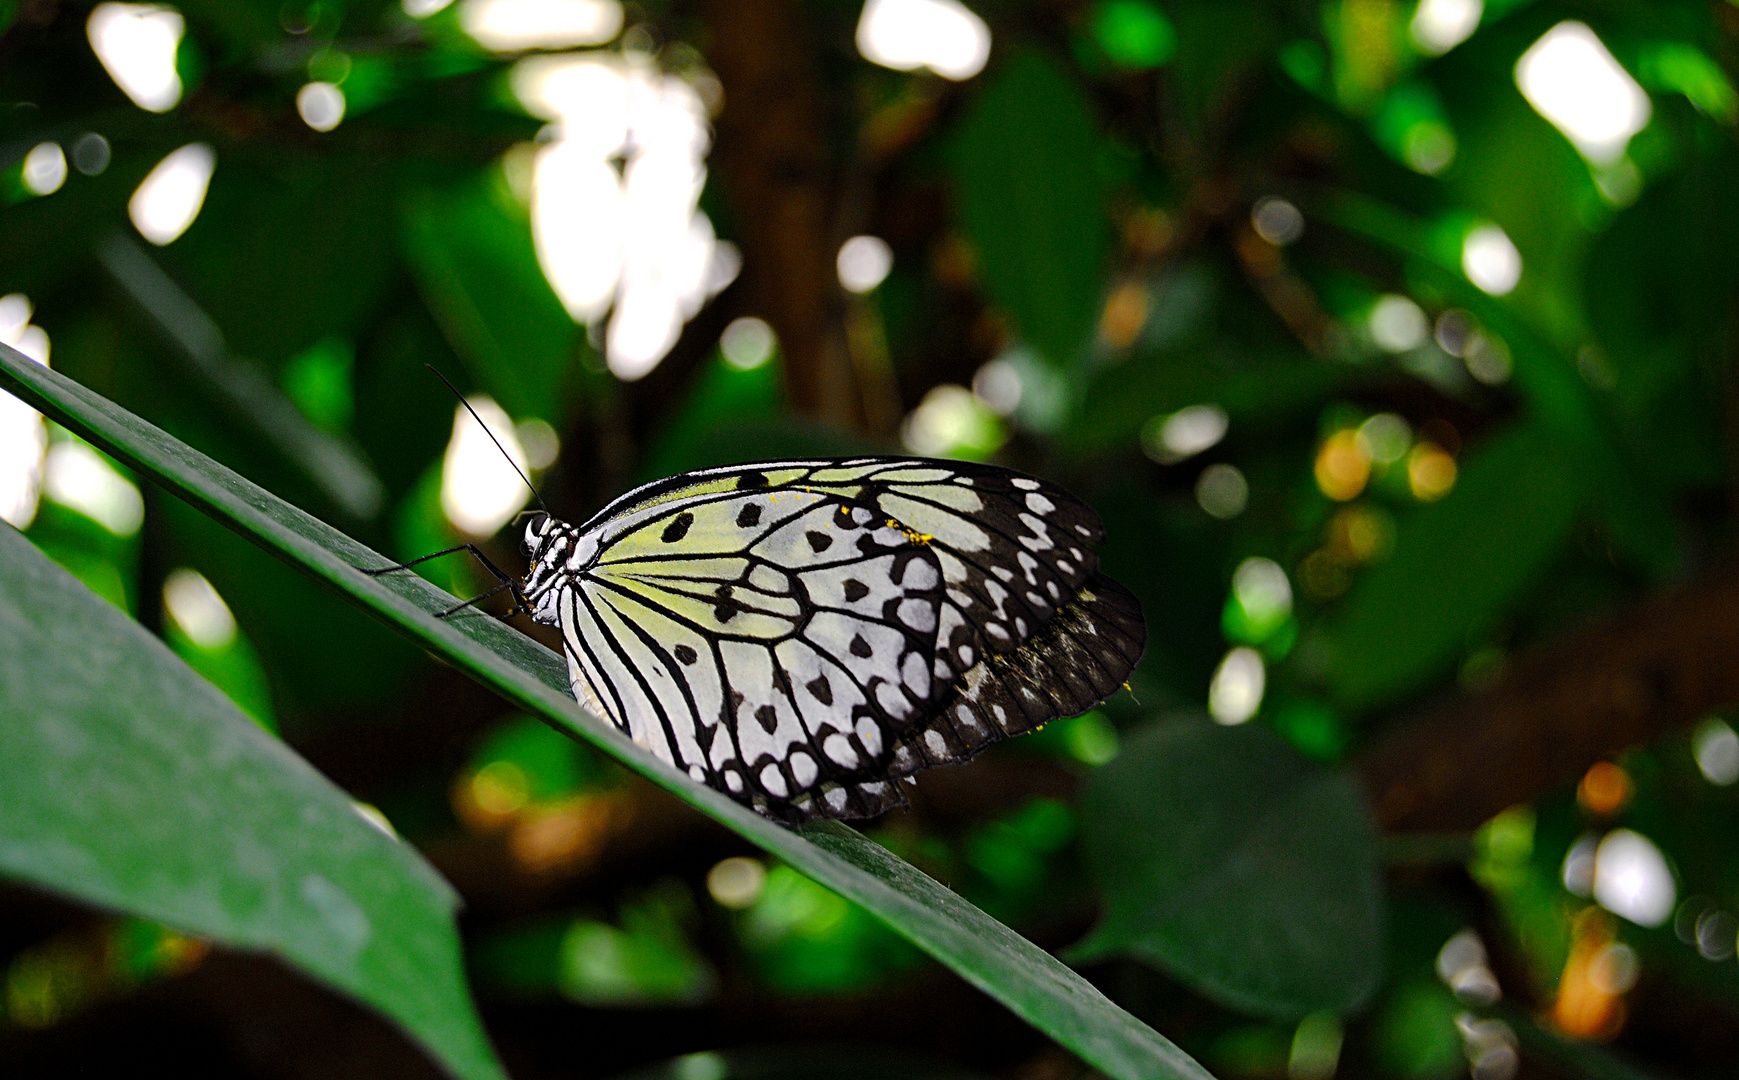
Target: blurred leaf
<point x="984" y="952"/>
<point x="723" y="400"/>
<point x="470" y="246"/>
<point x="807" y="939"/>
<point x="801" y="1061"/>
<point x="647" y="960"/>
<point x="1623" y="492"/>
<point x="1457" y="565"/>
<point x="1238" y="867"/>
<point x="1032" y="204"/>
<point x="228" y="835"/>
<point x="326" y="221"/>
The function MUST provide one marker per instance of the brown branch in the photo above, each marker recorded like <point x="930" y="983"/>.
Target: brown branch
<point x="1558" y="709"/>
<point x="772" y="151"/>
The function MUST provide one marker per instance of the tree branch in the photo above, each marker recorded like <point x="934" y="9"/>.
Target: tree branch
<point x="772" y="149"/>
<point x="1558" y="709"/>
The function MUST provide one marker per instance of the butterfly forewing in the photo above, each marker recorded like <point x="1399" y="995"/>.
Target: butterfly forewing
<point x="798" y="633"/>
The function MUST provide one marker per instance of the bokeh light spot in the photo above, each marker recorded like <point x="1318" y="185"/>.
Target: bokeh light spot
<point x="1716" y="748"/>
<point x="321" y="105"/>
<point x="1441" y="25"/>
<point x="1570" y="78"/>
<point x="169" y="198"/>
<point x="1184" y="434"/>
<point x="1631" y="878"/>
<point x="137" y="44"/>
<point x="516" y="25"/>
<point x="1431" y="472"/>
<point x="1605" y="789"/>
<point x="747" y="343"/>
<point x="1490" y="260"/>
<point x="736" y="882"/>
<point x="1222" y="492"/>
<point x="863" y="263"/>
<point x="479" y="488"/>
<point x="198" y="610"/>
<point x="1277" y="221"/>
<point x="1236" y="691"/>
<point x="1342" y="467"/>
<point x="44" y="168"/>
<point x="942" y="35"/>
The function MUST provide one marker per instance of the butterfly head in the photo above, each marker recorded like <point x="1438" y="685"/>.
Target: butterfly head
<point x="556" y="550"/>
<point x="537" y="531"/>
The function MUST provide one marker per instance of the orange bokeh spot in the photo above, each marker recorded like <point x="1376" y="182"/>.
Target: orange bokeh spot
<point x="1124" y="315"/>
<point x="1584" y="1009"/>
<point x="1342" y="468"/>
<point x="1604" y="789"/>
<point x="1430" y="472"/>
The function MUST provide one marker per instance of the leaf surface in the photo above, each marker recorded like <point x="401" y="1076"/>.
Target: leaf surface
<point x="1239" y="867"/>
<point x="129" y="782"/>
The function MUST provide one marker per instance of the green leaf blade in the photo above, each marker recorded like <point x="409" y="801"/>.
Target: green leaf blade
<point x="1239" y="867"/>
<point x="1031" y="983"/>
<point x="129" y="782"/>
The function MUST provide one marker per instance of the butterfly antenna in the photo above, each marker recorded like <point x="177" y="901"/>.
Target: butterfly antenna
<point x="509" y="457"/>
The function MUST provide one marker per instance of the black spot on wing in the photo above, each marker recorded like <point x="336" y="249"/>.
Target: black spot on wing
<point x="768" y="717"/>
<point x="678" y="527"/>
<point x="818" y="541"/>
<point x="749" y="516"/>
<point x="686" y="655"/>
<point x="750" y="480"/>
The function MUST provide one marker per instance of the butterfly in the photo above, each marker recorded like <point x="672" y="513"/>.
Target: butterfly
<point x="807" y="635"/>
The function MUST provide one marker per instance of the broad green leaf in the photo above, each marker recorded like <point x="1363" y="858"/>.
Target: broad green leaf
<point x="1034" y="985"/>
<point x="129" y="782"/>
<point x="1032" y="203"/>
<point x="1457" y="565"/>
<point x="1237" y="866"/>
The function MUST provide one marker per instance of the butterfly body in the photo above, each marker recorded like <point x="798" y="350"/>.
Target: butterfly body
<point x="803" y="634"/>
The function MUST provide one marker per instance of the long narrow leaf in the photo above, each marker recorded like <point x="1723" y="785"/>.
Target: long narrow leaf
<point x="1035" y="985"/>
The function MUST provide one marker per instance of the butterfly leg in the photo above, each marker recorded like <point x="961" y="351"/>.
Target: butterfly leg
<point x="508" y="584"/>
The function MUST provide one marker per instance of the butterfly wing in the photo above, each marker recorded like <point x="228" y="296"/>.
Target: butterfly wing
<point x="769" y="642"/>
<point x="799" y="633"/>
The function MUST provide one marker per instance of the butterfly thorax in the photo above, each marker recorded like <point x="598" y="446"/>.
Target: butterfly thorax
<point x="557" y="551"/>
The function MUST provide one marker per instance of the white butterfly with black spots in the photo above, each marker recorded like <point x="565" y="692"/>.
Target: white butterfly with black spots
<point x="803" y="635"/>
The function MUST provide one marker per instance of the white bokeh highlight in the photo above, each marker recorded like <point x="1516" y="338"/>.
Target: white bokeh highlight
<point x="136" y="44"/>
<point x="79" y="478"/>
<point x="942" y="35"/>
<point x="517" y="25"/>
<point x="480" y="489"/>
<point x="863" y="263"/>
<point x="1236" y="691"/>
<point x="23" y="433"/>
<point x="197" y="609"/>
<point x="1490" y="260"/>
<point x="1632" y="879"/>
<point x="1716" y="748"/>
<point x="320" y="105"/>
<point x="633" y="245"/>
<point x="168" y="199"/>
<point x="1441" y="25"/>
<point x="1570" y="78"/>
<point x="44" y="168"/>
